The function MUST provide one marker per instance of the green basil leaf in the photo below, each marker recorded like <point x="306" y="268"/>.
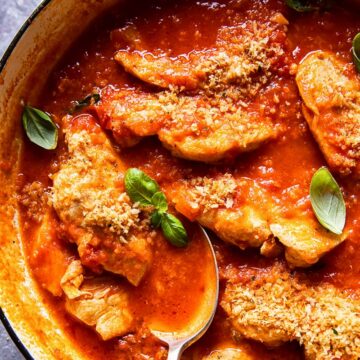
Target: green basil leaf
<point x="140" y="187"/>
<point x="327" y="201"/>
<point x="39" y="128"/>
<point x="87" y="101"/>
<point x="159" y="201"/>
<point x="356" y="51"/>
<point x="174" y="230"/>
<point x="306" y="5"/>
<point x="156" y="218"/>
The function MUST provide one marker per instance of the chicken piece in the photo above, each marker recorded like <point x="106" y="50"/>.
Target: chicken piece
<point x="244" y="227"/>
<point x="280" y="307"/>
<point x="214" y="122"/>
<point x="49" y="258"/>
<point x="305" y="240"/>
<point x="331" y="98"/>
<point x="210" y="201"/>
<point x="229" y="350"/>
<point x="242" y="212"/>
<point x="229" y="354"/>
<point x="88" y="195"/>
<point x="271" y="248"/>
<point x="157" y="70"/>
<point x="161" y="70"/>
<point x="209" y="131"/>
<point x="234" y="349"/>
<point x="192" y="127"/>
<point x="240" y="54"/>
<point x="130" y="115"/>
<point x="97" y="302"/>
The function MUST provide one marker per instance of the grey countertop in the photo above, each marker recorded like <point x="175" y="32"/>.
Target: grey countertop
<point x="13" y="14"/>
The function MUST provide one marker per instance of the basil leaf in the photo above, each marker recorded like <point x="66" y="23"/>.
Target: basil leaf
<point x="39" y="128"/>
<point x="159" y="201"/>
<point x="174" y="230"/>
<point x="306" y="5"/>
<point x="140" y="187"/>
<point x="144" y="190"/>
<point x="87" y="101"/>
<point x="356" y="51"/>
<point x="327" y="201"/>
<point x="156" y="218"/>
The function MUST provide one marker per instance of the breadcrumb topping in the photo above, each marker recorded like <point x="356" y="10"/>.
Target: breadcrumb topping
<point x="200" y="116"/>
<point x="245" y="59"/>
<point x="280" y="308"/>
<point x="243" y="63"/>
<point x="86" y="194"/>
<point x="113" y="212"/>
<point x="34" y="197"/>
<point x="211" y="193"/>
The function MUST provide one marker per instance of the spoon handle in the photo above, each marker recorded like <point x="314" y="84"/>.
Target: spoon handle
<point x="174" y="352"/>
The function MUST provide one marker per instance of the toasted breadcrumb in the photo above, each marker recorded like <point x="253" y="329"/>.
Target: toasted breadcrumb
<point x="245" y="58"/>
<point x="236" y="71"/>
<point x="98" y="205"/>
<point x="281" y="307"/>
<point x="34" y="197"/>
<point x="212" y="193"/>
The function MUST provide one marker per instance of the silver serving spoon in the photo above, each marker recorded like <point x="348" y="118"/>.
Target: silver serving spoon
<point x="180" y="340"/>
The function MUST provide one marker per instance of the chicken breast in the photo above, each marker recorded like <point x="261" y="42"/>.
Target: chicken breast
<point x="305" y="240"/>
<point x="230" y="354"/>
<point x="203" y="114"/>
<point x="98" y="302"/>
<point x="212" y="202"/>
<point x="241" y="54"/>
<point x="161" y="70"/>
<point x="192" y="127"/>
<point x="242" y="212"/>
<point x="89" y="198"/>
<point x="331" y="95"/>
<point x="279" y="307"/>
<point x="130" y="115"/>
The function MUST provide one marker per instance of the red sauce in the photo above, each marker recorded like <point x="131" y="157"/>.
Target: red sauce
<point x="170" y="295"/>
<point x="285" y="166"/>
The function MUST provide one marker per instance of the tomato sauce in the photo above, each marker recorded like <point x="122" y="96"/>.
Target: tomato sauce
<point x="284" y="166"/>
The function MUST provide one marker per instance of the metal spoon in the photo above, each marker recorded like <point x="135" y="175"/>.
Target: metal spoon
<point x="181" y="340"/>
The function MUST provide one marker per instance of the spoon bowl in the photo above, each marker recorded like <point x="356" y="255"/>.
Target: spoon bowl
<point x="180" y="340"/>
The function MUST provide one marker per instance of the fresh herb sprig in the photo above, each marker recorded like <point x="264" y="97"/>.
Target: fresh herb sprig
<point x="327" y="201"/>
<point x="144" y="190"/>
<point x="356" y="51"/>
<point x="39" y="128"/>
